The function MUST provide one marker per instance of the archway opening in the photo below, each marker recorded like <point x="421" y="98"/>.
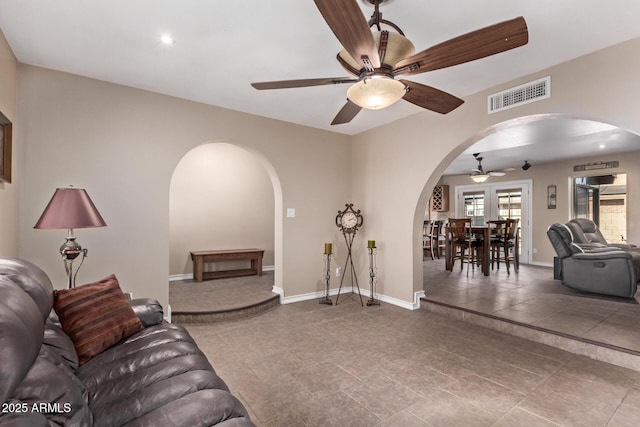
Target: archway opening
<point x="550" y="151"/>
<point x="222" y="197"/>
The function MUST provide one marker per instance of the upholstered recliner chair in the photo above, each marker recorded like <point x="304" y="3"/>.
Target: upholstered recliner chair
<point x="587" y="234"/>
<point x="604" y="270"/>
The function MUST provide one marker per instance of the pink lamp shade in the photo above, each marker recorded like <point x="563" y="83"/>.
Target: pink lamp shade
<point x="70" y="208"/>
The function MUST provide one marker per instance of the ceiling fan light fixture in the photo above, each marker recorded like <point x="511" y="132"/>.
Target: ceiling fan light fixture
<point x="376" y="93"/>
<point x="479" y="178"/>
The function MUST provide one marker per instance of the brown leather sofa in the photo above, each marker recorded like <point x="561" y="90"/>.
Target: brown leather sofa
<point x="156" y="377"/>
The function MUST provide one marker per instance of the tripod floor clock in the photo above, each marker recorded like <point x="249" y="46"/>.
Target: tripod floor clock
<point x="349" y="220"/>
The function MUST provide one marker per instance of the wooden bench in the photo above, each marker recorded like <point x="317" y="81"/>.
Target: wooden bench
<point x="200" y="258"/>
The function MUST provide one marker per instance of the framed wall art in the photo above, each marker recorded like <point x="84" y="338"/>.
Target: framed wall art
<point x="5" y="148"/>
<point x="551" y="196"/>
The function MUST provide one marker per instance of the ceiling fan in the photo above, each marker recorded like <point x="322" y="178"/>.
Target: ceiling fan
<point x="376" y="58"/>
<point x="479" y="175"/>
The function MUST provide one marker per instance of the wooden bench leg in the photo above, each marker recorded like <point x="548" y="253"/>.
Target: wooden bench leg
<point x="256" y="265"/>
<point x="198" y="269"/>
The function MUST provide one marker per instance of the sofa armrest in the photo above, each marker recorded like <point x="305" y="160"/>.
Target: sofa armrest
<point x="148" y="310"/>
<point x="623" y="246"/>
<point x="602" y="255"/>
<point x="595" y="247"/>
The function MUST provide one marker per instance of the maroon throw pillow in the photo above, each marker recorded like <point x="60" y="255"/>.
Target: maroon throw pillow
<point x="95" y="316"/>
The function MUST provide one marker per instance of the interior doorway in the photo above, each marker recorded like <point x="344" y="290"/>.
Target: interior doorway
<point x="603" y="199"/>
<point x="484" y="202"/>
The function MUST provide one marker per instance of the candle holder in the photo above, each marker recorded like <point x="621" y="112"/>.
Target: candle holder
<point x="373" y="269"/>
<point x="327" y="275"/>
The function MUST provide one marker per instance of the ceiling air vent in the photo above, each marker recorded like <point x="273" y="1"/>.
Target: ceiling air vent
<point x="519" y="95"/>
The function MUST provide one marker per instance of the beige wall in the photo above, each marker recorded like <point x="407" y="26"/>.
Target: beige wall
<point x="221" y="197"/>
<point x="123" y="145"/>
<point x="397" y="165"/>
<point x="560" y="174"/>
<point x="9" y="192"/>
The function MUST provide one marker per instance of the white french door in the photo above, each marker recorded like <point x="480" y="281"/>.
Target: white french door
<point x="490" y="201"/>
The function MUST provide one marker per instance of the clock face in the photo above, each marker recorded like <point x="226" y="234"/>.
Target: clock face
<point x="349" y="220"/>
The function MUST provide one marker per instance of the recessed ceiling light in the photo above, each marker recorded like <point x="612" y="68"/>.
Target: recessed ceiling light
<point x="602" y="146"/>
<point x="167" y="39"/>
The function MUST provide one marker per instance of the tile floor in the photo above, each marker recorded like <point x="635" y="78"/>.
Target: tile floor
<point x="307" y="364"/>
<point x="532" y="297"/>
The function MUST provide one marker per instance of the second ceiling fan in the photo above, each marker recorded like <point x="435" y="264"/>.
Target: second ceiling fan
<point x="478" y="173"/>
<point x="376" y="57"/>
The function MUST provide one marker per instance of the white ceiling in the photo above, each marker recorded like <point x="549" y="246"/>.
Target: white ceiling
<point x="221" y="47"/>
<point x="543" y="139"/>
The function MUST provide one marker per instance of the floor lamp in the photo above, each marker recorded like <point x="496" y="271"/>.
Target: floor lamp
<point x="70" y="208"/>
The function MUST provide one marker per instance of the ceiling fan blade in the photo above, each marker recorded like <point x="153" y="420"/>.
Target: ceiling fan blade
<point x="347" y="113"/>
<point x="467" y="47"/>
<point x="283" y="84"/>
<point x="350" y="27"/>
<point x="496" y="173"/>
<point x="430" y="98"/>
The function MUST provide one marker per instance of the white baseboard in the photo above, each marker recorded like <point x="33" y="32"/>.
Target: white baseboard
<point x="167" y="314"/>
<point x="346" y="290"/>
<point x="542" y="264"/>
<point x="176" y="277"/>
<point x="398" y="302"/>
<point x="309" y="296"/>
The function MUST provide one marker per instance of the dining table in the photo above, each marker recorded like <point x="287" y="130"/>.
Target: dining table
<point x="480" y="232"/>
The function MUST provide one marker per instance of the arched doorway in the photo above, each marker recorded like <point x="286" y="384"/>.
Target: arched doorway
<point x="223" y="196"/>
<point x="559" y="148"/>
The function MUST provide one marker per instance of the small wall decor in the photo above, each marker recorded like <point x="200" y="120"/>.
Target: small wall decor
<point x="440" y="198"/>
<point x="5" y="148"/>
<point x="595" y="166"/>
<point x="551" y="196"/>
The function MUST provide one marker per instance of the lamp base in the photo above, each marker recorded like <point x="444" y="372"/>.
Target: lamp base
<point x="70" y="250"/>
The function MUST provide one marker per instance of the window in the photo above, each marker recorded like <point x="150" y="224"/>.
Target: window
<point x="498" y="200"/>
<point x="474" y="207"/>
<point x="603" y="199"/>
<point x="509" y="203"/>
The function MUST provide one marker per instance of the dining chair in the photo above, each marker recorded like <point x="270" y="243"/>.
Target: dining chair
<point x="496" y="237"/>
<point x="507" y="245"/>
<point x="439" y="238"/>
<point x="464" y="245"/>
<point x="426" y="238"/>
<point x="436" y="240"/>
